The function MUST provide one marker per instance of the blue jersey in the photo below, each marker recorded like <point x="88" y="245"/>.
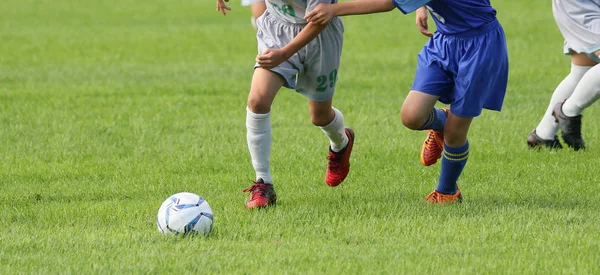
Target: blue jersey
<point x="453" y="16"/>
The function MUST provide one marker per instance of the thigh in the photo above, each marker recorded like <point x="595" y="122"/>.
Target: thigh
<point x="595" y="56"/>
<point x="582" y="59"/>
<point x="272" y="34"/>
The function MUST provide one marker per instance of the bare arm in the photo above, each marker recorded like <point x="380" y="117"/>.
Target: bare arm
<point x="363" y="7"/>
<point x="273" y="57"/>
<point x="307" y="34"/>
<point x="421" y="21"/>
<point x="324" y="13"/>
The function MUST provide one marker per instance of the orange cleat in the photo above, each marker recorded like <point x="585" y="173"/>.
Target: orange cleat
<point x="433" y="145"/>
<point x="339" y="162"/>
<point x="436" y="197"/>
<point x="261" y="194"/>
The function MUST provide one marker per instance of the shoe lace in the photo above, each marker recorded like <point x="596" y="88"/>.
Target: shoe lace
<point x="334" y="160"/>
<point x="433" y="197"/>
<point x="431" y="143"/>
<point x="430" y="140"/>
<point x="437" y="197"/>
<point x="257" y="190"/>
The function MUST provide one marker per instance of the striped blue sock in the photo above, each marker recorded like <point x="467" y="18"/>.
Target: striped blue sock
<point x="435" y="120"/>
<point x="453" y="162"/>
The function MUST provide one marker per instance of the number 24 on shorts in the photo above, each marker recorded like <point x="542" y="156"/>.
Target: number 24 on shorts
<point x="323" y="81"/>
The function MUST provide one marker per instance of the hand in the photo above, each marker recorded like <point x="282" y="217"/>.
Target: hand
<point x="271" y="58"/>
<point x="222" y="7"/>
<point x="421" y="19"/>
<point x="321" y="14"/>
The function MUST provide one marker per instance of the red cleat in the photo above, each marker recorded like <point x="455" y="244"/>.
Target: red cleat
<point x="261" y="194"/>
<point x="339" y="162"/>
<point x="433" y="145"/>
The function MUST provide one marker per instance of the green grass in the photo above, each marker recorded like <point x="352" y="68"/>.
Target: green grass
<point x="108" y="108"/>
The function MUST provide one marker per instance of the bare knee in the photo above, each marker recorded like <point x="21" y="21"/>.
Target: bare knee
<point x="258" y="105"/>
<point x="410" y="119"/>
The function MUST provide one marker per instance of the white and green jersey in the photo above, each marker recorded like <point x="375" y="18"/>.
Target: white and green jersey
<point x="293" y="11"/>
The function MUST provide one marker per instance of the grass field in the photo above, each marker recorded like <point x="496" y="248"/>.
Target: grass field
<point x="108" y="107"/>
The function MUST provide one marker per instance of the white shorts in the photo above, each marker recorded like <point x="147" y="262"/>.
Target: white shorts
<point x="250" y="2"/>
<point x="579" y="23"/>
<point x="313" y="70"/>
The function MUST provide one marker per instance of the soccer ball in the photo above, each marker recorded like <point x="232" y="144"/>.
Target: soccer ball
<point x="184" y="213"/>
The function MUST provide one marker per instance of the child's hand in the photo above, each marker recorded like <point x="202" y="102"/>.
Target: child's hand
<point x="421" y="19"/>
<point x="222" y="7"/>
<point x="321" y="14"/>
<point x="270" y="58"/>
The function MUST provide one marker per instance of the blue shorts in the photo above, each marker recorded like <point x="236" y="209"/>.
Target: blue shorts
<point x="468" y="70"/>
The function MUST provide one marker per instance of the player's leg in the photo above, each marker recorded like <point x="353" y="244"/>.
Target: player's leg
<point x="330" y="120"/>
<point x="456" y="153"/>
<point x="480" y="82"/>
<point x="265" y="85"/>
<point x="568" y="113"/>
<point x="454" y="159"/>
<point x="581" y="33"/>
<point x="341" y="139"/>
<point x="418" y="112"/>
<point x="317" y="82"/>
<point x="586" y="93"/>
<point x="545" y="134"/>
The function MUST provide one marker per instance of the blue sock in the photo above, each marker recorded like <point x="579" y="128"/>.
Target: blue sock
<point x="435" y="120"/>
<point x="453" y="162"/>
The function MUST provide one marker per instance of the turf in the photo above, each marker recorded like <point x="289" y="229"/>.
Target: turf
<point x="109" y="107"/>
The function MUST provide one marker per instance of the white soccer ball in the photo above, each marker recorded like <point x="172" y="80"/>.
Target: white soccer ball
<point x="184" y="213"/>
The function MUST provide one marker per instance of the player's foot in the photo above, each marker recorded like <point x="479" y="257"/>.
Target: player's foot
<point x="339" y="162"/>
<point x="570" y="127"/>
<point x="433" y="145"/>
<point x="535" y="141"/>
<point x="436" y="197"/>
<point x="261" y="194"/>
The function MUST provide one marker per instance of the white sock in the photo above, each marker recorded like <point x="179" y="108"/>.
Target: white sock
<point x="586" y="93"/>
<point x="547" y="128"/>
<point x="258" y="135"/>
<point x="336" y="132"/>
